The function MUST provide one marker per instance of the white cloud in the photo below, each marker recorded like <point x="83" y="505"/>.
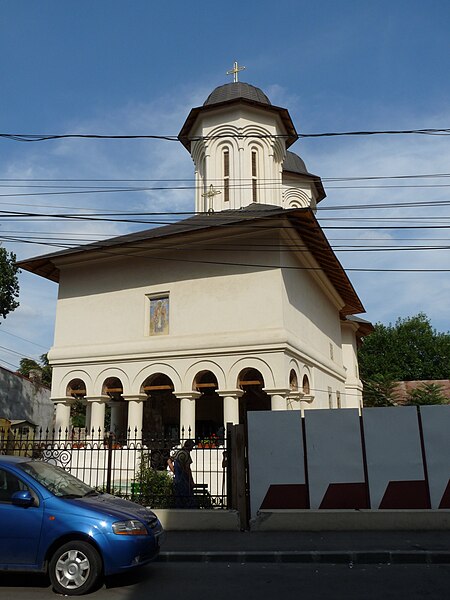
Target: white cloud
<point x="387" y="295"/>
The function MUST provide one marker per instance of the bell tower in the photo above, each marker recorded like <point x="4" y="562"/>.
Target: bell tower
<point x="238" y="142"/>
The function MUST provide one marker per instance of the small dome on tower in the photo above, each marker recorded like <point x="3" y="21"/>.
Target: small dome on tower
<point x="294" y="164"/>
<point x="234" y="91"/>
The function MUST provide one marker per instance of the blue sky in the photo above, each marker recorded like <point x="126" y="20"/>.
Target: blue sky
<point x="117" y="67"/>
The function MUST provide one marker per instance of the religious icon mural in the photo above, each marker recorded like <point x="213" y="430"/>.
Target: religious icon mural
<point x="159" y="316"/>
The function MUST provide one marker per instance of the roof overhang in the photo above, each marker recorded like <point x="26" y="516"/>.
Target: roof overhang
<point x="301" y="220"/>
<point x="283" y="113"/>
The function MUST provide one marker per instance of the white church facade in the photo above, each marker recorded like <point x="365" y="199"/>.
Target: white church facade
<point x="242" y="307"/>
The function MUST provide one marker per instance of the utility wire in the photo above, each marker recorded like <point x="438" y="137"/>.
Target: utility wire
<point x="191" y="179"/>
<point x="268" y="248"/>
<point x="3" y="330"/>
<point x="33" y="137"/>
<point x="247" y="187"/>
<point x="116" y="255"/>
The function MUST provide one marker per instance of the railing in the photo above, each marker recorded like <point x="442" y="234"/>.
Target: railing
<point x="131" y="465"/>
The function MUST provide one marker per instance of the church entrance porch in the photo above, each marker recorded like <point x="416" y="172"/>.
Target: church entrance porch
<point x="174" y="402"/>
<point x="209" y="421"/>
<point x="254" y="397"/>
<point x="161" y="414"/>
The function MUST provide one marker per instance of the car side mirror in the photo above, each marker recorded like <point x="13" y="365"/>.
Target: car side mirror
<point x="22" y="498"/>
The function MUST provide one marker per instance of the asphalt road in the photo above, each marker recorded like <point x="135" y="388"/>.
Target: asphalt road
<point x="254" y="581"/>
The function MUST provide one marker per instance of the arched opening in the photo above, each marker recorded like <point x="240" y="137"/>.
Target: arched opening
<point x="76" y="389"/>
<point x="293" y="381"/>
<point x="116" y="408"/>
<point x="226" y="173"/>
<point x="161" y="409"/>
<point x="254" y="397"/>
<point x="306" y="389"/>
<point x="208" y="407"/>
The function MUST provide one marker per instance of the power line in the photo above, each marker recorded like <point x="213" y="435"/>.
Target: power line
<point x="33" y="137"/>
<point x="12" y="216"/>
<point x="191" y="179"/>
<point x="353" y="206"/>
<point x="65" y="241"/>
<point x="89" y="237"/>
<point x="14" y="352"/>
<point x="105" y="252"/>
<point x="243" y="187"/>
<point x="3" y="330"/>
<point x="14" y="366"/>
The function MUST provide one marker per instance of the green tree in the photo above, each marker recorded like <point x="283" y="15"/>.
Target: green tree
<point x="42" y="368"/>
<point x="379" y="391"/>
<point x="427" y="393"/>
<point x="406" y="351"/>
<point x="9" y="283"/>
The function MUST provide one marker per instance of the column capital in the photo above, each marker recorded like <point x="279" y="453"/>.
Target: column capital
<point x="307" y="398"/>
<point x="278" y="391"/>
<point x="295" y="395"/>
<point x="100" y="399"/>
<point x="188" y="395"/>
<point x="134" y="397"/>
<point x="236" y="393"/>
<point x="66" y="400"/>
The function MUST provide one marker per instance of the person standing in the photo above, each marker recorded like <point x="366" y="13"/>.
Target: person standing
<point x="183" y="484"/>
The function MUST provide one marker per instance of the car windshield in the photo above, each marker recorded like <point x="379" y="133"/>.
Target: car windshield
<point x="56" y="480"/>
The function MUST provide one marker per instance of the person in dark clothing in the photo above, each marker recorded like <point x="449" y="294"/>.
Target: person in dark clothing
<point x="183" y="484"/>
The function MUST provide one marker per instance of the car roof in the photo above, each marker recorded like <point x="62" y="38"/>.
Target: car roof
<point x="13" y="459"/>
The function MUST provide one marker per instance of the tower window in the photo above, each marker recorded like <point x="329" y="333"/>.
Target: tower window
<point x="254" y="176"/>
<point x="305" y="385"/>
<point x="226" y="175"/>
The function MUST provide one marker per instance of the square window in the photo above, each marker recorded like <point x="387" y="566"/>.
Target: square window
<point x="159" y="315"/>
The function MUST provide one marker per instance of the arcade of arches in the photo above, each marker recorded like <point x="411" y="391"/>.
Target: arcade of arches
<point x="159" y="411"/>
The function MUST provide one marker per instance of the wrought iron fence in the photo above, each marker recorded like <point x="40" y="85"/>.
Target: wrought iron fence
<point x="133" y="465"/>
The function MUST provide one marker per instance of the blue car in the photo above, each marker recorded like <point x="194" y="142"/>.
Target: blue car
<point x="52" y="522"/>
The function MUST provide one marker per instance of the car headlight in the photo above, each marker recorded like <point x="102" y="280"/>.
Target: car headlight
<point x="131" y="527"/>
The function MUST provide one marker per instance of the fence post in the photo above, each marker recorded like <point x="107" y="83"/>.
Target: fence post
<point x="110" y="438"/>
<point x="239" y="474"/>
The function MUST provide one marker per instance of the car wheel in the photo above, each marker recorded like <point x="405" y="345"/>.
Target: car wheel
<point x="75" y="568"/>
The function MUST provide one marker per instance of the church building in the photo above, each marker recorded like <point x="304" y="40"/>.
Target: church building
<point x="242" y="307"/>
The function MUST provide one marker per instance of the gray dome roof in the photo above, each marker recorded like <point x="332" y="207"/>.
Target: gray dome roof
<point x="294" y="164"/>
<point x="234" y="91"/>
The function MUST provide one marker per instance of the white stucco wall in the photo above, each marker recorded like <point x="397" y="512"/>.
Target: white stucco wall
<point x="223" y="318"/>
<point x="210" y="305"/>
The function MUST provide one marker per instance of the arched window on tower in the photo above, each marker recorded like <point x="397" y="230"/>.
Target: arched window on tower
<point x="305" y="385"/>
<point x="226" y="175"/>
<point x="254" y="175"/>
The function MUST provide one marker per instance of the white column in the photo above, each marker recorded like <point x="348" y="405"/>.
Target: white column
<point x="230" y="406"/>
<point x="97" y="424"/>
<point x="116" y="416"/>
<point x="278" y="398"/>
<point x="187" y="413"/>
<point x="135" y="414"/>
<point x="62" y="415"/>
<point x="87" y="424"/>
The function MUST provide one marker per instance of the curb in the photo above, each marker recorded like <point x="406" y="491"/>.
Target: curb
<point x="358" y="558"/>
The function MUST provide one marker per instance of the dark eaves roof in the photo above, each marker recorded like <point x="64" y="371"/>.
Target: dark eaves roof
<point x="364" y="327"/>
<point x="301" y="219"/>
<point x="294" y="164"/>
<point x="232" y="91"/>
<point x="237" y="93"/>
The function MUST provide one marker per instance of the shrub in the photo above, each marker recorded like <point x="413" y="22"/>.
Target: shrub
<point x="153" y="488"/>
<point x="427" y="393"/>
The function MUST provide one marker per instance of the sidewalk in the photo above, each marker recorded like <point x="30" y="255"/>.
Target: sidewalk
<point x="359" y="547"/>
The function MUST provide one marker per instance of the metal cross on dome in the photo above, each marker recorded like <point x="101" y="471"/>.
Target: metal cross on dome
<point x="210" y="196"/>
<point x="234" y="71"/>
